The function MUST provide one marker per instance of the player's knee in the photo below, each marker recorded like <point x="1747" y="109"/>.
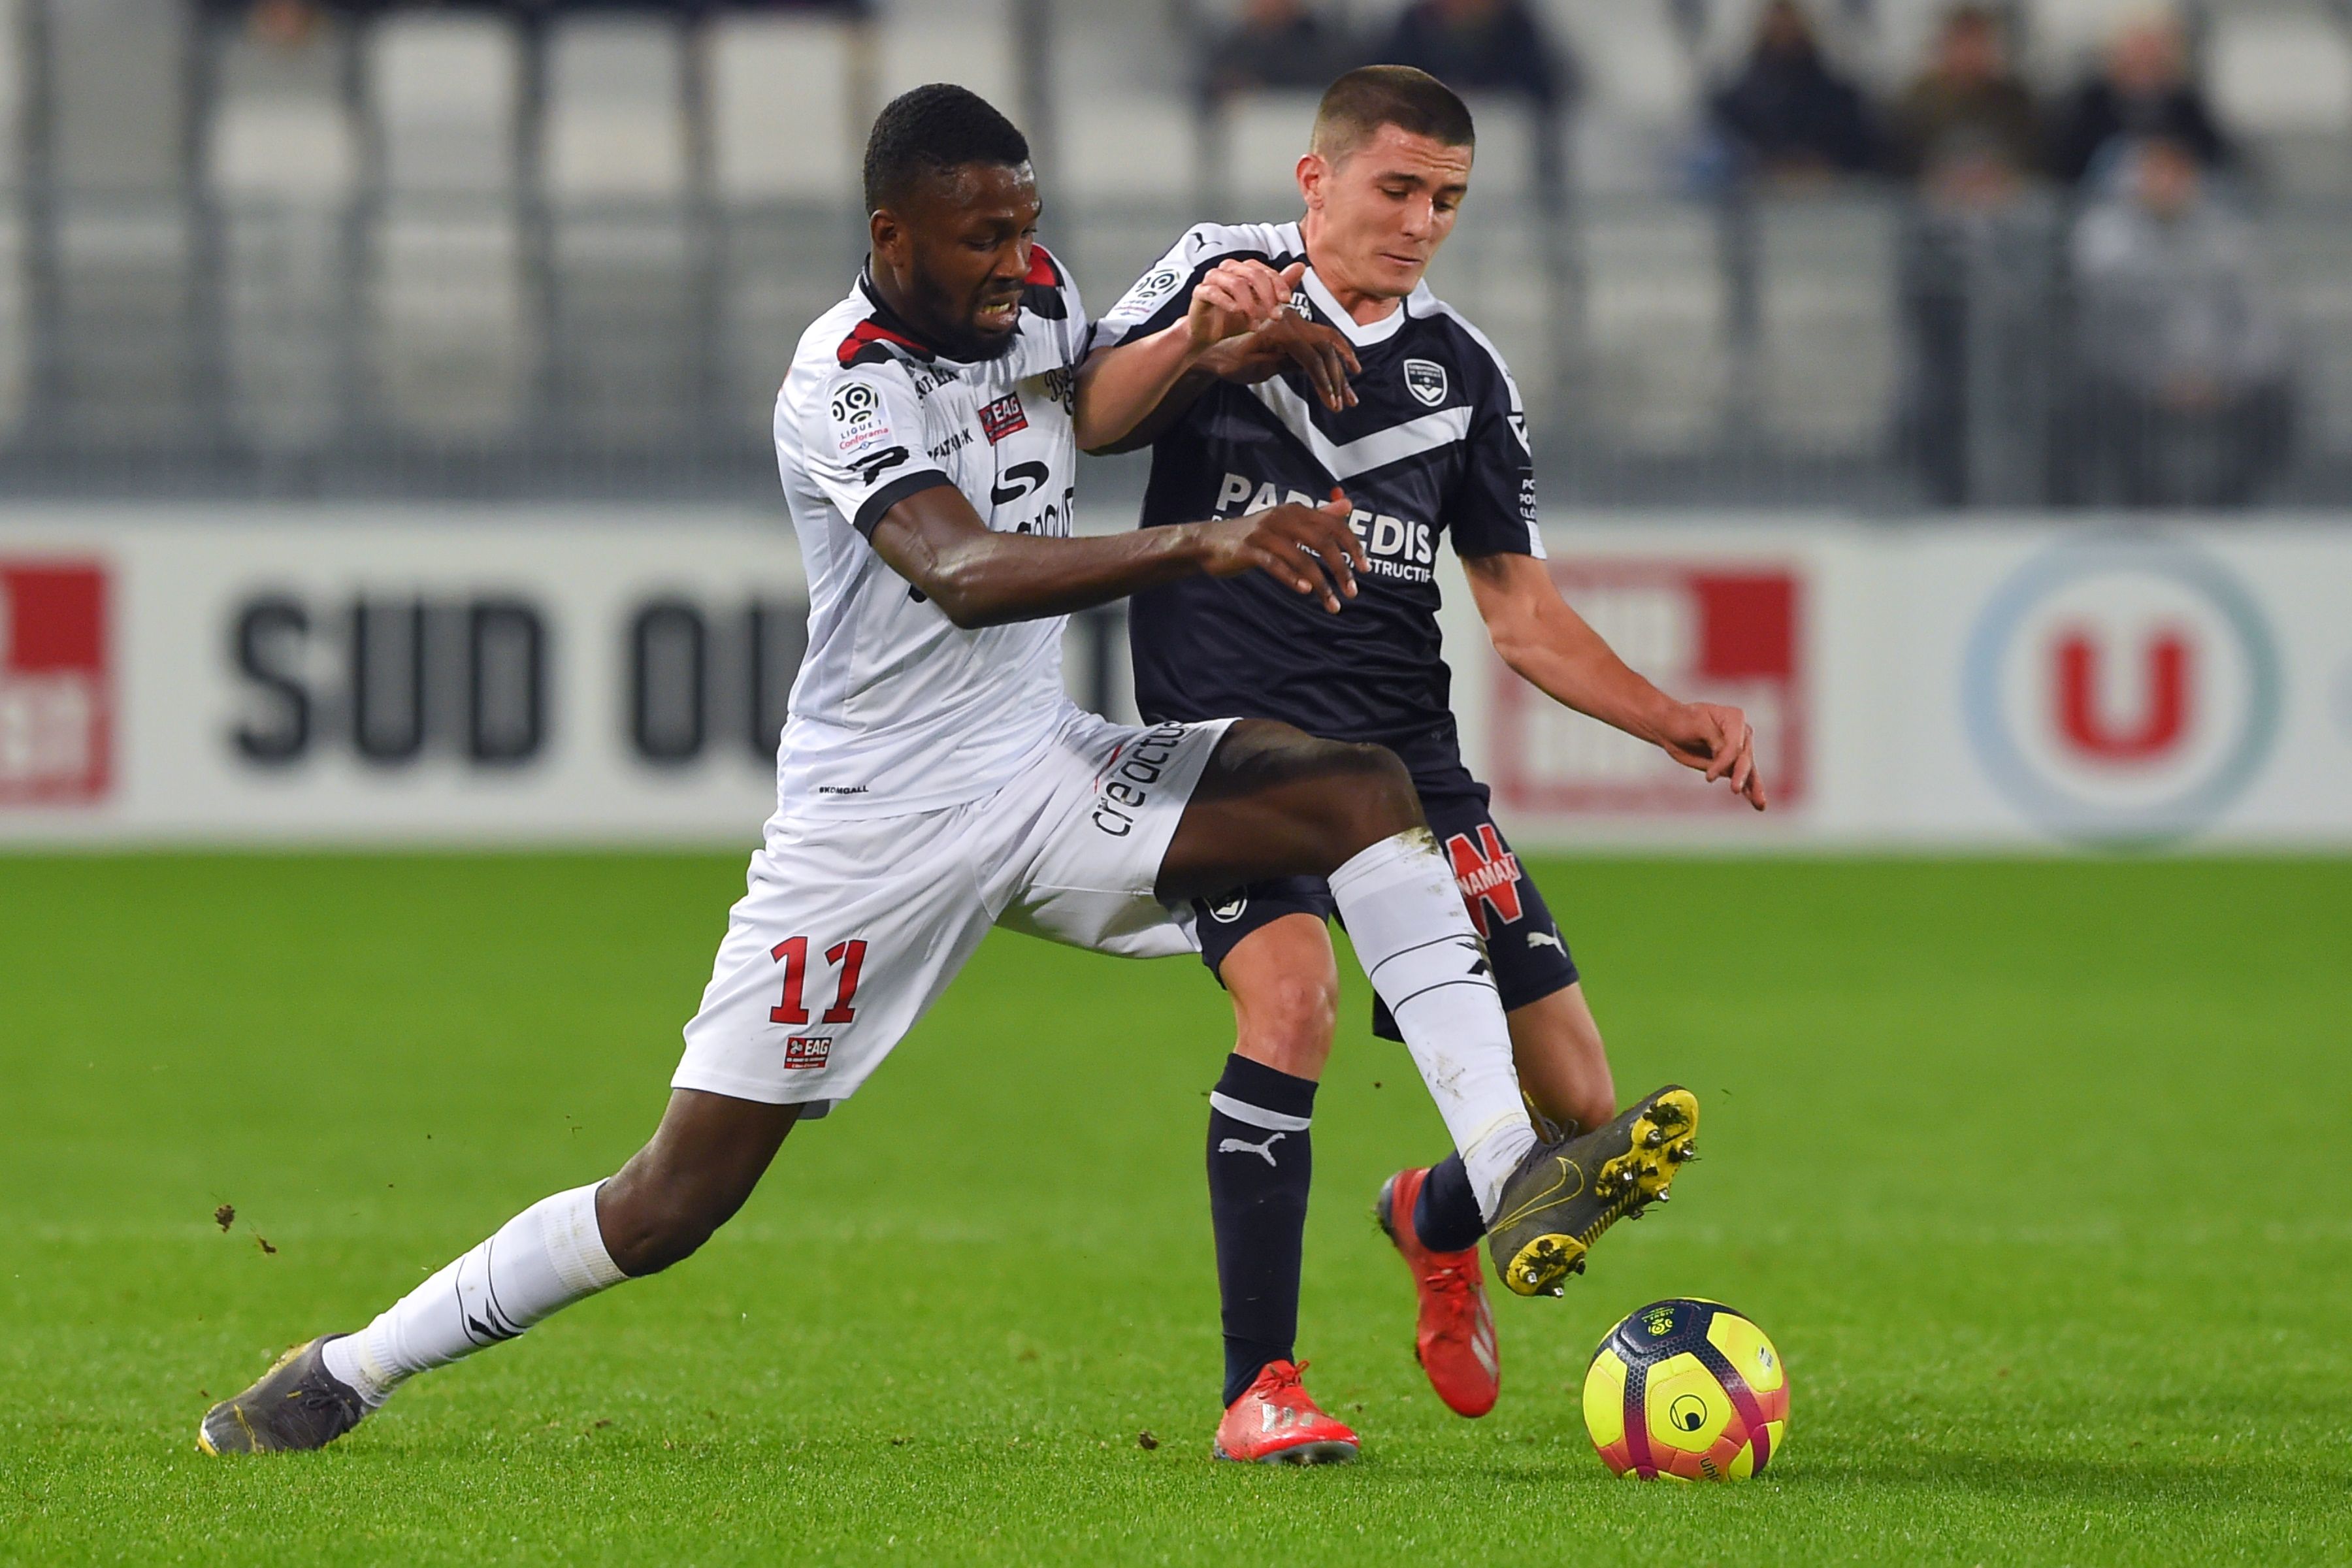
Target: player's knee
<point x="1287" y="1024"/>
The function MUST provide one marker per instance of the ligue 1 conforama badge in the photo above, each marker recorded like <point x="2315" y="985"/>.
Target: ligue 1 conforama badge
<point x="56" y="720"/>
<point x="2121" y="689"/>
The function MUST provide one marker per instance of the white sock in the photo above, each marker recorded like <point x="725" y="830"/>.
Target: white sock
<point x="1414" y="938"/>
<point x="543" y="1260"/>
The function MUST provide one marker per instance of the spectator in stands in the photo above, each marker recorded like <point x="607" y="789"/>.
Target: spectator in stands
<point x="2144" y="90"/>
<point x="1978" y="264"/>
<point x="1484" y="46"/>
<point x="1967" y="131"/>
<point x="1787" y="113"/>
<point x="1277" y="43"/>
<point x="2183" y="354"/>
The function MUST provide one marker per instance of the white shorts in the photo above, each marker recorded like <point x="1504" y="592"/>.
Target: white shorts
<point x="852" y="928"/>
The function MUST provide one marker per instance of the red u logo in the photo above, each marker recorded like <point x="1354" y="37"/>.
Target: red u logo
<point x="2164" y="712"/>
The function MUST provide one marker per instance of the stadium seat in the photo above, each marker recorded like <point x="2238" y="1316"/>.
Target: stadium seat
<point x="1510" y="153"/>
<point x="965" y="41"/>
<point x="784" y="122"/>
<point x="789" y="100"/>
<point x="625" y="329"/>
<point x="614" y="124"/>
<point x="283" y="161"/>
<point x="1128" y="150"/>
<point x="2283" y="79"/>
<point x="1828" y="329"/>
<point x="1636" y="63"/>
<point x="1654" y="323"/>
<point x="14" y="344"/>
<point x="450" y="340"/>
<point x="128" y="366"/>
<point x="1642" y="91"/>
<point x="445" y="90"/>
<point x="1264" y="133"/>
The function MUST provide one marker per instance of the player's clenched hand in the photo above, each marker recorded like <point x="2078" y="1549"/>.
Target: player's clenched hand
<point x="1322" y="352"/>
<point x="1717" y="742"/>
<point x="1307" y="549"/>
<point x="1237" y="297"/>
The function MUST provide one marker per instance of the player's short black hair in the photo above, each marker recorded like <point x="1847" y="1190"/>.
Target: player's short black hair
<point x="1370" y="97"/>
<point x="930" y="130"/>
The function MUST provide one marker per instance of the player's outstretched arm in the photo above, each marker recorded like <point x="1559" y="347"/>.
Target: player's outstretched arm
<point x="1539" y="635"/>
<point x="1238" y="328"/>
<point x="936" y="541"/>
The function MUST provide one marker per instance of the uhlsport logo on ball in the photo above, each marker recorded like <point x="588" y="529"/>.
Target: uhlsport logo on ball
<point x="2122" y="688"/>
<point x="1686" y="1391"/>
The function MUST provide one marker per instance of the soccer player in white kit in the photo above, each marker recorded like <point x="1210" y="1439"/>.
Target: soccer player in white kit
<point x="933" y="780"/>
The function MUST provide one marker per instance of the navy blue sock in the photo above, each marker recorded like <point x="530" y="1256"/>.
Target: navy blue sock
<point x="1446" y="1216"/>
<point x="1260" y="1161"/>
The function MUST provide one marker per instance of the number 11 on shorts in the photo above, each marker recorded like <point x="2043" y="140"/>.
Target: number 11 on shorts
<point x="847" y="957"/>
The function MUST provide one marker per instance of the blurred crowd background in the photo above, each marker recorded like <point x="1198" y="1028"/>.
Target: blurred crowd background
<point x="1895" y="255"/>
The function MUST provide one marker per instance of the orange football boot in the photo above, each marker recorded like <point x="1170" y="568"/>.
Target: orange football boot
<point x="1455" y="1340"/>
<point x="1276" y="1421"/>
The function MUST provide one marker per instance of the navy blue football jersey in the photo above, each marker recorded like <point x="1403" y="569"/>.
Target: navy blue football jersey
<point x="1435" y="447"/>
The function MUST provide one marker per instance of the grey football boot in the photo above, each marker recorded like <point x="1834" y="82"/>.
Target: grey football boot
<point x="296" y="1405"/>
<point x="1564" y="1194"/>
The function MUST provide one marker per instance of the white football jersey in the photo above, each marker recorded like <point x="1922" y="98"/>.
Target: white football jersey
<point x="896" y="711"/>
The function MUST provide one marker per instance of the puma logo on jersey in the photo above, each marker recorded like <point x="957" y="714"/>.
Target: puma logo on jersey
<point x="1546" y="939"/>
<point x="1242" y="1146"/>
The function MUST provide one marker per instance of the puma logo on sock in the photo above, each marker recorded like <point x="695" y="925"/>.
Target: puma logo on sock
<point x="1263" y="1151"/>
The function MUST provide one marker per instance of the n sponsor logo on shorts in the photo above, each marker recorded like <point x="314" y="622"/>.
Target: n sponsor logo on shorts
<point x="1124" y="788"/>
<point x="1488" y="876"/>
<point x="808" y="1050"/>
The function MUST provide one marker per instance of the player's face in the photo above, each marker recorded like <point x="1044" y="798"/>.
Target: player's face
<point x="1382" y="210"/>
<point x="955" y="251"/>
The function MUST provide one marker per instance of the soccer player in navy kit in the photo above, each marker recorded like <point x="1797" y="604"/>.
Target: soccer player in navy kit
<point x="1363" y="382"/>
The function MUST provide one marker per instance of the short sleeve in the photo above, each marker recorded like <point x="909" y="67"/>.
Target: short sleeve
<point x="1493" y="510"/>
<point x="862" y="437"/>
<point x="1161" y="296"/>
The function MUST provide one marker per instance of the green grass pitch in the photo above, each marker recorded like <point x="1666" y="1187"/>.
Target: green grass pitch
<point x="2036" y="1172"/>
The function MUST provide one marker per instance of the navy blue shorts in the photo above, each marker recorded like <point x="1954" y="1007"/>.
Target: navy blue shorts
<point x="1523" y="941"/>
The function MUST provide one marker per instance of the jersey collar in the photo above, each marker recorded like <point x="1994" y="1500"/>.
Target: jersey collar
<point x="1328" y="310"/>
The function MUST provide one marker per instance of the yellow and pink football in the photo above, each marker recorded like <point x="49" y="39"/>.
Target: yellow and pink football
<point x="1687" y="1389"/>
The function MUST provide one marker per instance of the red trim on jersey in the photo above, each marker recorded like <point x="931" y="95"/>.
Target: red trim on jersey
<point x="1043" y="270"/>
<point x="870" y="333"/>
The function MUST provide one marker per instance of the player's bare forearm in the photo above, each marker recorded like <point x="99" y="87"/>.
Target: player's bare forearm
<point x="1151" y="379"/>
<point x="981" y="578"/>
<point x="1129" y="395"/>
<point x="1122" y="388"/>
<point x="1541" y="637"/>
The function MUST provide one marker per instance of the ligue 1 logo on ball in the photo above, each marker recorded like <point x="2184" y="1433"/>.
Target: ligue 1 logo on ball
<point x="2121" y="689"/>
